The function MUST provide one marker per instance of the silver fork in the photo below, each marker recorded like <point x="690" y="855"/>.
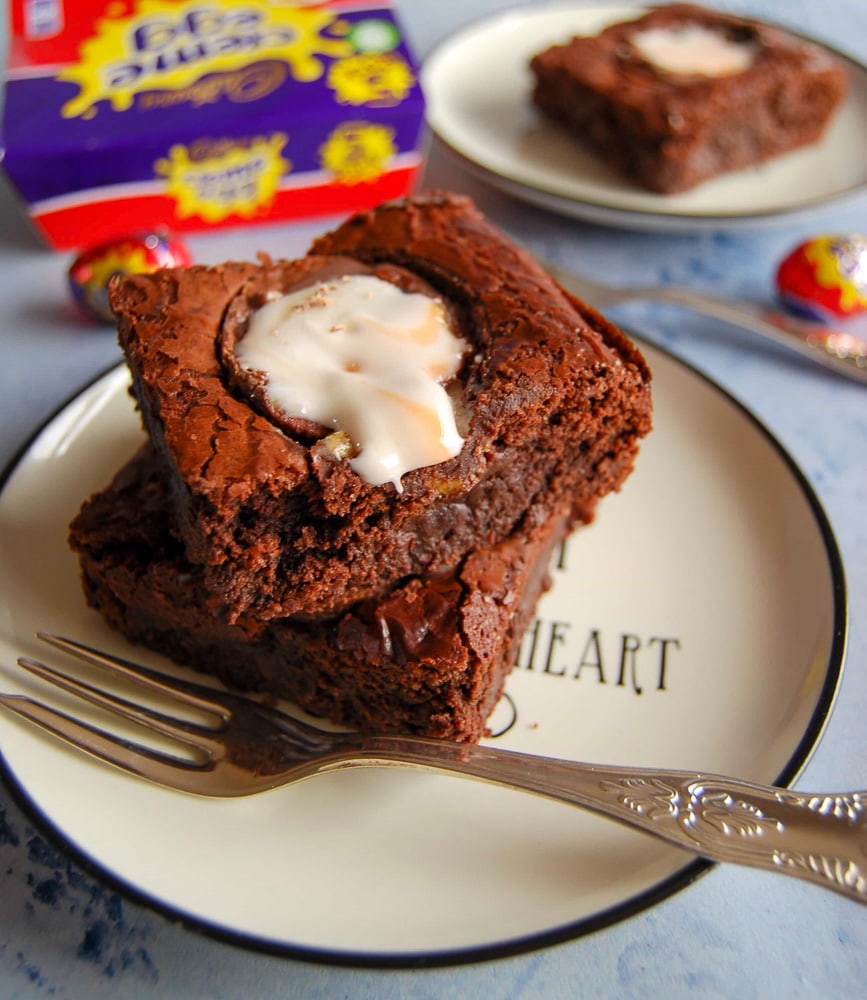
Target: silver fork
<point x="841" y="351"/>
<point x="247" y="747"/>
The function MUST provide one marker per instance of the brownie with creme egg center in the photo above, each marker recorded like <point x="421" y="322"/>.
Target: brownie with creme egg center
<point x="409" y="392"/>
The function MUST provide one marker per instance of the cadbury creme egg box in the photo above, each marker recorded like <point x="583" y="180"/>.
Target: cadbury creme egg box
<point x="128" y="115"/>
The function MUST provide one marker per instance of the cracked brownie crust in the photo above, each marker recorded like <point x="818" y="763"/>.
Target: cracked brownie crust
<point x="551" y="398"/>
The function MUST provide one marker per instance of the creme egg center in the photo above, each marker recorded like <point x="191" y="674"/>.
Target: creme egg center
<point x="694" y="49"/>
<point x="362" y="356"/>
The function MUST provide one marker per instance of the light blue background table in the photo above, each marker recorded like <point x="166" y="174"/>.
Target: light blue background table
<point x="734" y="933"/>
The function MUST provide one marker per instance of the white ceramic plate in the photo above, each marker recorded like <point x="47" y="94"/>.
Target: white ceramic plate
<point x="477" y="86"/>
<point x="699" y="623"/>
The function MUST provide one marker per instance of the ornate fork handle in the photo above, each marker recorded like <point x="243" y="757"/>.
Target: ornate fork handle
<point x="816" y="837"/>
<point x="247" y="747"/>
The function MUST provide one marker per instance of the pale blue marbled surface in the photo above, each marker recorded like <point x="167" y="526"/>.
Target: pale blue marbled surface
<point x="734" y="933"/>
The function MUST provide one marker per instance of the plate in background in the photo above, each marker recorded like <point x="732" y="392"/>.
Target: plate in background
<point x="477" y="86"/>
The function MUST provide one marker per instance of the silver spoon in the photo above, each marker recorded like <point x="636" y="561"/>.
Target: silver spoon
<point x="837" y="350"/>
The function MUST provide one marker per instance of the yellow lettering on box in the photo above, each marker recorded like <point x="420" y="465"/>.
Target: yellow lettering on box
<point x="235" y="179"/>
<point x="167" y="47"/>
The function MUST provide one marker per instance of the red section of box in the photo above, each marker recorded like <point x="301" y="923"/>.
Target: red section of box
<point x="101" y="219"/>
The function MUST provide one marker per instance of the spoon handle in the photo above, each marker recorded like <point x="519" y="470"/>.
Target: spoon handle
<point x="838" y="350"/>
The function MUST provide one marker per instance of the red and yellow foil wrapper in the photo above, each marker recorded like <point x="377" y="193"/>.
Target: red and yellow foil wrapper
<point x="140" y="253"/>
<point x="825" y="278"/>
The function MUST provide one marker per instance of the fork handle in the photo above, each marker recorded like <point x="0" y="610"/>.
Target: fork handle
<point x="821" y="838"/>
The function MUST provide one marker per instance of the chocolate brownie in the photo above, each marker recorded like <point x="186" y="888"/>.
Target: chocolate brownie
<point x="429" y="656"/>
<point x="683" y="93"/>
<point x="549" y="399"/>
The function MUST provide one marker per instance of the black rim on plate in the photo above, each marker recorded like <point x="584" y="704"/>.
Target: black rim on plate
<point x="525" y="943"/>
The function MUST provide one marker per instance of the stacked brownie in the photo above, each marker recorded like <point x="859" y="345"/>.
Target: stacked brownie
<point x="243" y="540"/>
<point x="684" y="93"/>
